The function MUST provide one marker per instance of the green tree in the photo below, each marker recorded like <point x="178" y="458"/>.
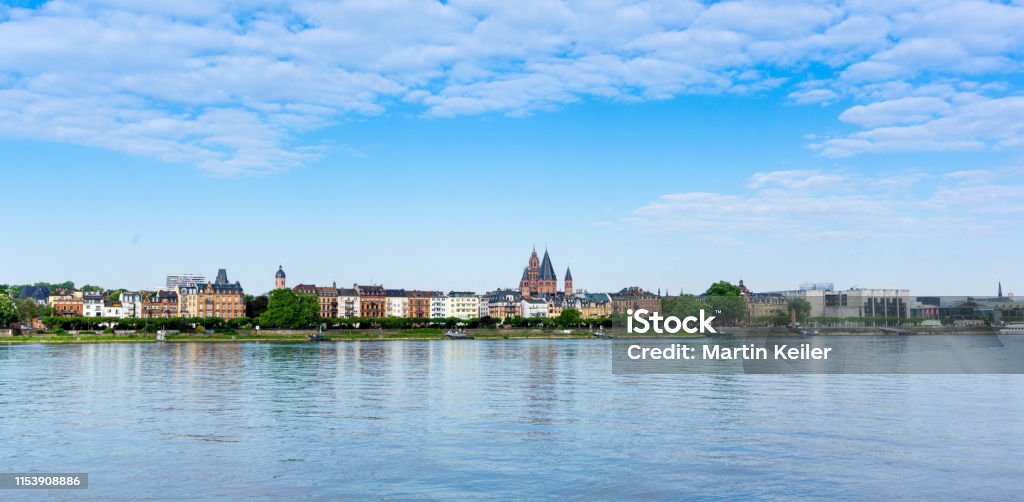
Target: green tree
<point x="723" y="288"/>
<point x="802" y="307"/>
<point x="288" y="309"/>
<point x="682" y="306"/>
<point x="255" y="306"/>
<point x="28" y="309"/>
<point x="727" y="309"/>
<point x="569" y="318"/>
<point x="8" y="311"/>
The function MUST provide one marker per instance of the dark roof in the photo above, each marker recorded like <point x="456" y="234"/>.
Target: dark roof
<point x="395" y="293"/>
<point x="568" y="274"/>
<point x="547" y="271"/>
<point x="634" y="292"/>
<point x="222" y="277"/>
<point x="37" y="293"/>
<point x="220" y="288"/>
<point x="370" y="290"/>
<point x="305" y="288"/>
<point x="280" y="273"/>
<point x="347" y="292"/>
<point x="526" y="275"/>
<point x="167" y="295"/>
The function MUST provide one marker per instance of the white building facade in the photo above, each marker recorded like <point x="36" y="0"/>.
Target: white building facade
<point x="438" y="307"/>
<point x="462" y="304"/>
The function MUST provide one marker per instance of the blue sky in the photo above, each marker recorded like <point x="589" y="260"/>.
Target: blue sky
<point x="428" y="145"/>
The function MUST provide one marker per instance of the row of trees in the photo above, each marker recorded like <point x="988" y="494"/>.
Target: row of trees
<point x="726" y="301"/>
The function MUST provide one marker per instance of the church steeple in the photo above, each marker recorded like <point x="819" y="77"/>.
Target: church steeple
<point x="568" y="282"/>
<point x="1000" y="289"/>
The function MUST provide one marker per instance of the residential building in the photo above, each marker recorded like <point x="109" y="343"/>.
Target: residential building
<point x="595" y="305"/>
<point x="438" y="307"/>
<point x="483" y="305"/>
<point x="589" y="305"/>
<point x="397" y="303"/>
<point x="505" y="303"/>
<point x="92" y="305"/>
<point x="327" y="297"/>
<point x="533" y="307"/>
<point x="175" y="280"/>
<point x="634" y="298"/>
<point x="419" y="303"/>
<point x="212" y="299"/>
<point x="462" y="304"/>
<point x="66" y="303"/>
<point x="113" y="308"/>
<point x="131" y="303"/>
<point x="767" y="304"/>
<point x="161" y="305"/>
<point x="372" y="301"/>
<point x="348" y="303"/>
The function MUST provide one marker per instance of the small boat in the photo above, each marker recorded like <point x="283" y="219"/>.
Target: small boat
<point x="317" y="337"/>
<point x="455" y="335"/>
<point x="603" y="336"/>
<point x="161" y="336"/>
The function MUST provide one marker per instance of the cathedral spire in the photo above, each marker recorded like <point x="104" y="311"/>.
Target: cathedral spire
<point x="1000" y="289"/>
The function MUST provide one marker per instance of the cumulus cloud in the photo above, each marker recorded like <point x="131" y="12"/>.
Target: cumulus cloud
<point x="228" y="87"/>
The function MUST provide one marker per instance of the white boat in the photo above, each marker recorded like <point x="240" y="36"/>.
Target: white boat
<point x="1013" y="328"/>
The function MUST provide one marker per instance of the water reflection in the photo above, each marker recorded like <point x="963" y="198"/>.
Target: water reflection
<point x="498" y="419"/>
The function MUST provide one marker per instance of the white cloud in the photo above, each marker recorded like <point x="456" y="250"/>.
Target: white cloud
<point x="814" y="204"/>
<point x="159" y="78"/>
<point x="974" y="124"/>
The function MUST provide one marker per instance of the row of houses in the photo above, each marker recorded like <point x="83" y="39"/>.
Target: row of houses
<point x="378" y="301"/>
<point x="219" y="298"/>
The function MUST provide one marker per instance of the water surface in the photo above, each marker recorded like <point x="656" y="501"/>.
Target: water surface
<point x="490" y="419"/>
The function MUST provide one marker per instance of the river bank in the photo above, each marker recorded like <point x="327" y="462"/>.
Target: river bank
<point x="291" y="336"/>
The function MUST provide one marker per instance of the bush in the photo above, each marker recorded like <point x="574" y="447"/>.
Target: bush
<point x="108" y="331"/>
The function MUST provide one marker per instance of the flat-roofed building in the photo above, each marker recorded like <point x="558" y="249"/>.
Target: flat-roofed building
<point x="860" y="302"/>
<point x="462" y="304"/>
<point x="175" y="280"/>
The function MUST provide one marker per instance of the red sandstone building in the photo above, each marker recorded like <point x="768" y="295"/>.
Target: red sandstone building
<point x="539" y="277"/>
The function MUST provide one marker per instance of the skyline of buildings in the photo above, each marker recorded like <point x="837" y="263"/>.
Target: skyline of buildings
<point x="537" y="296"/>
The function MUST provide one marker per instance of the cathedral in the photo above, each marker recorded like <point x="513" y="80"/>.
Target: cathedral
<point x="539" y="277"/>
